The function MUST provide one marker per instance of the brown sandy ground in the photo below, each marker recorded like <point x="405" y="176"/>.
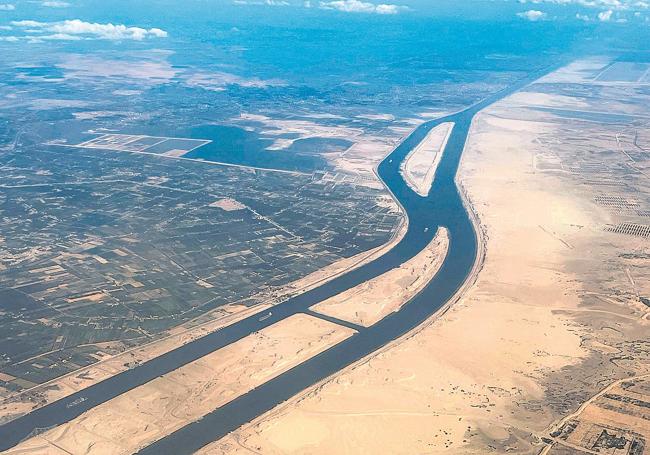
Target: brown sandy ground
<point x="419" y="167"/>
<point x="345" y="265"/>
<point x="616" y="422"/>
<point x="556" y="314"/>
<point x="370" y="302"/>
<point x="148" y="412"/>
<point x="111" y="365"/>
<point x="358" y="163"/>
<point x="16" y="405"/>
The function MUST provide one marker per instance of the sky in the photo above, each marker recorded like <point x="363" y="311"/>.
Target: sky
<point x="455" y="26"/>
<point x="612" y="11"/>
<point x="227" y="57"/>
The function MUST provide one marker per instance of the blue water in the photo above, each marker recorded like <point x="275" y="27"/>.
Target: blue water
<point x="442" y="207"/>
<point x="308" y="61"/>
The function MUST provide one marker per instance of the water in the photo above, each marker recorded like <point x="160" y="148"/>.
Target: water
<point x="231" y="144"/>
<point x="442" y="207"/>
<point x="326" y="63"/>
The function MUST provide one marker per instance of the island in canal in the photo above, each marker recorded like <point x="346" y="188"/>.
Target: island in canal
<point x="342" y="227"/>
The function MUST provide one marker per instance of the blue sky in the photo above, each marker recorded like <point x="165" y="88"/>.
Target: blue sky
<point x="397" y="56"/>
<point x="159" y="22"/>
<point x="581" y="10"/>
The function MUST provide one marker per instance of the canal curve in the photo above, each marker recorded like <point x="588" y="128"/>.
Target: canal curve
<point x="443" y="206"/>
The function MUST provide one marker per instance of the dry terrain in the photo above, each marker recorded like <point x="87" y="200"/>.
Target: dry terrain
<point x="146" y="413"/>
<point x="370" y="302"/>
<point x="558" y="317"/>
<point x="110" y="365"/>
<point x="419" y="167"/>
<point x="616" y="421"/>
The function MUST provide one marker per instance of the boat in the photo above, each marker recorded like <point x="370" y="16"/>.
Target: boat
<point x="76" y="402"/>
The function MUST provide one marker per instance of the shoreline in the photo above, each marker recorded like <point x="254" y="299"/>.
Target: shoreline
<point x="193" y="332"/>
<point x="479" y="260"/>
<point x="481" y="240"/>
<point x="455" y="277"/>
<point x="424" y="186"/>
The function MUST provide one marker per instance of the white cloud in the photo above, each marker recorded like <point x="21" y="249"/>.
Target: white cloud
<point x="76" y="29"/>
<point x="262" y="2"/>
<point x="605" y="16"/>
<point x="616" y="5"/>
<point x="59" y="37"/>
<point x="55" y="4"/>
<point x="532" y="15"/>
<point x="7" y="7"/>
<point x="387" y="9"/>
<point x="27" y="24"/>
<point x="348" y="6"/>
<point x="357" y="6"/>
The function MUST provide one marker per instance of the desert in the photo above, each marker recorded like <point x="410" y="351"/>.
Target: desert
<point x="557" y="313"/>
